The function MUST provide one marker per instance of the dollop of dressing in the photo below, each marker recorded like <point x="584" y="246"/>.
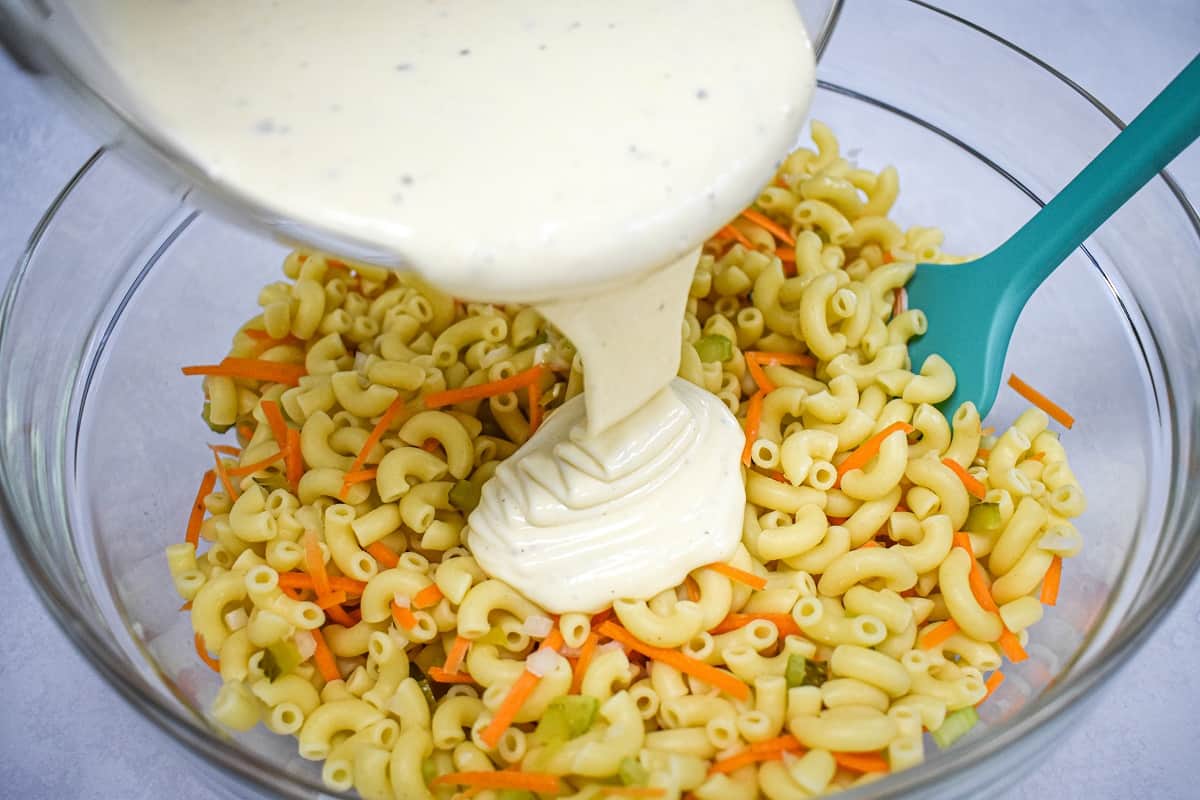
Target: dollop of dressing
<point x="571" y="154"/>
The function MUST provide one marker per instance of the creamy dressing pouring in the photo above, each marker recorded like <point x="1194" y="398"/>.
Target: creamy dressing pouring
<point x="512" y="151"/>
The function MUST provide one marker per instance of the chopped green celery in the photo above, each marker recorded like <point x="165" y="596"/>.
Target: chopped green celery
<point x="566" y="717"/>
<point x="803" y="672"/>
<point x="714" y="347"/>
<point x="632" y="773"/>
<point x="205" y="413"/>
<point x="464" y="496"/>
<point x="515" y="794"/>
<point x="541" y="338"/>
<point x="955" y="726"/>
<point x="428" y="770"/>
<point x="494" y="636"/>
<point x="983" y="518"/>
<point x="280" y="659"/>
<point x="416" y="674"/>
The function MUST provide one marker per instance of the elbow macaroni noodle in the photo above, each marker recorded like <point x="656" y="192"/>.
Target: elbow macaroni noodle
<point x="860" y="564"/>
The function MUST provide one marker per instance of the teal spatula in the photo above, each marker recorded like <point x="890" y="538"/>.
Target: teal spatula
<point x="973" y="307"/>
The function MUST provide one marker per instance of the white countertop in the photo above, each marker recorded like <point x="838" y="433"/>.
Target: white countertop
<point x="65" y="734"/>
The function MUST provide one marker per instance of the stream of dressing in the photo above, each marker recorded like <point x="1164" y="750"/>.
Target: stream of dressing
<point x="572" y="154"/>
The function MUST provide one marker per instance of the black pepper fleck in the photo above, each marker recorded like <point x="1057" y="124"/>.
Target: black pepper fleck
<point x="464" y="52"/>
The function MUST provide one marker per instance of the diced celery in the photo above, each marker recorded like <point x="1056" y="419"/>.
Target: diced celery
<point x="428" y="770"/>
<point x="566" y="717"/>
<point x="464" y="496"/>
<point x="280" y="659"/>
<point x="955" y="726"/>
<point x="416" y="674"/>
<point x="983" y="518"/>
<point x="632" y="773"/>
<point x="803" y="672"/>
<point x="714" y="347"/>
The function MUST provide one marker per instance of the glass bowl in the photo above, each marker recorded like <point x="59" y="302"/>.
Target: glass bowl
<point x="124" y="281"/>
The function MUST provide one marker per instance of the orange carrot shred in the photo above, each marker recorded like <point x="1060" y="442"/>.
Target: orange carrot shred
<point x="1011" y="646"/>
<point x="870" y="448"/>
<point x="517" y="695"/>
<point x="785" y="254"/>
<point x="862" y="762"/>
<point x="226" y="449"/>
<point x="968" y="480"/>
<point x="535" y="408"/>
<point x="383" y="554"/>
<point x="936" y="636"/>
<point x="760" y="378"/>
<point x="765" y="222"/>
<point x="868" y="544"/>
<point x="403" y="616"/>
<point x="458" y="652"/>
<point x="1041" y="401"/>
<point x="722" y="680"/>
<point x="899" y="302"/>
<point x="250" y="469"/>
<point x="337" y="583"/>
<point x="503" y="779"/>
<point x="202" y="651"/>
<point x="586" y="654"/>
<point x="359" y="476"/>
<point x="323" y="656"/>
<point x="767" y="358"/>
<point x="292" y="592"/>
<point x="1050" y="582"/>
<point x="245" y="432"/>
<point x="430" y="445"/>
<point x="223" y="474"/>
<point x="251" y="369"/>
<point x="196" y="520"/>
<point x="331" y="600"/>
<point x="295" y="459"/>
<point x="339" y="615"/>
<point x="186" y="606"/>
<point x="992" y="683"/>
<point x="740" y="575"/>
<point x="782" y="622"/>
<point x="888" y="258"/>
<point x="983" y="453"/>
<point x="373" y="438"/>
<point x="753" y="419"/>
<point x="314" y="563"/>
<point x="692" y="588"/>
<point x="274" y="417"/>
<point x="479" y="391"/>
<point x="440" y="675"/>
<point x="429" y="596"/>
<point x="734" y="233"/>
<point x="769" y="750"/>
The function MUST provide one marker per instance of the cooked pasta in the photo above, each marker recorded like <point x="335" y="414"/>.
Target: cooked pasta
<point x="873" y="589"/>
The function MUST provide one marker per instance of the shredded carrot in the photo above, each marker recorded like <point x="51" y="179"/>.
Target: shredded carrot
<point x="776" y="475"/>
<point x="836" y="520"/>
<point x="196" y="520"/>
<point x="358" y="476"/>
<point x="1010" y="645"/>
<point x="245" y="432"/>
<point x="992" y="683"/>
<point x="785" y="254"/>
<point x="740" y="575"/>
<point x="274" y="417"/>
<point x="186" y="606"/>
<point x="1050" y="582"/>
<point x="768" y="358"/>
<point x="252" y="369"/>
<point x="458" y="652"/>
<point x="692" y="588"/>
<point x="988" y="431"/>
<point x="295" y="459"/>
<point x="937" y="635"/>
<point x="899" y="302"/>
<point x="226" y="449"/>
<point x="765" y="222"/>
<point x="314" y="563"/>
<point x="503" y="779"/>
<point x="479" y="391"/>
<point x="202" y="651"/>
<point x="223" y="474"/>
<point x="753" y="419"/>
<point x="1037" y="457"/>
<point x="868" y="544"/>
<point x="870" y="448"/>
<point x="862" y="762"/>
<point x="535" y="408"/>
<point x="372" y="439"/>
<point x="983" y="453"/>
<point x="673" y="658"/>
<point x="968" y="480"/>
<point x="732" y="232"/>
<point x="250" y="469"/>
<point x="404" y="616"/>
<point x="338" y="614"/>
<point x="768" y="750"/>
<point x="331" y="600"/>
<point x="430" y="445"/>
<point x="602" y="617"/>
<point x="586" y="654"/>
<point x="517" y="695"/>
<point x="782" y="622"/>
<point x="440" y="675"/>
<point x="337" y="583"/>
<point x="383" y="554"/>
<point x="632" y="791"/>
<point x="323" y="656"/>
<point x="292" y="592"/>
<point x="1041" y="401"/>
<point x="759" y="376"/>
<point x="429" y="596"/>
<point x="888" y="258"/>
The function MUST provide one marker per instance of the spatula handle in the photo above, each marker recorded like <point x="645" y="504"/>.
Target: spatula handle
<point x="1169" y="124"/>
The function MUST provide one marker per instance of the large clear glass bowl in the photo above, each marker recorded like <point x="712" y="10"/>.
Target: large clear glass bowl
<point x="124" y="281"/>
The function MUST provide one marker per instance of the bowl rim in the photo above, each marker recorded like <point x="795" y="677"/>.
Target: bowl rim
<point x="268" y="774"/>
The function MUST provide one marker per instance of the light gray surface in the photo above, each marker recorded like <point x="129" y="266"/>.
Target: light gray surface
<point x="65" y="734"/>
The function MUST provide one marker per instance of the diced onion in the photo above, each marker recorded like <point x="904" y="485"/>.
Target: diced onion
<point x="402" y="600"/>
<point x="541" y="661"/>
<point x="236" y="619"/>
<point x="537" y="626"/>
<point x="306" y="644"/>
